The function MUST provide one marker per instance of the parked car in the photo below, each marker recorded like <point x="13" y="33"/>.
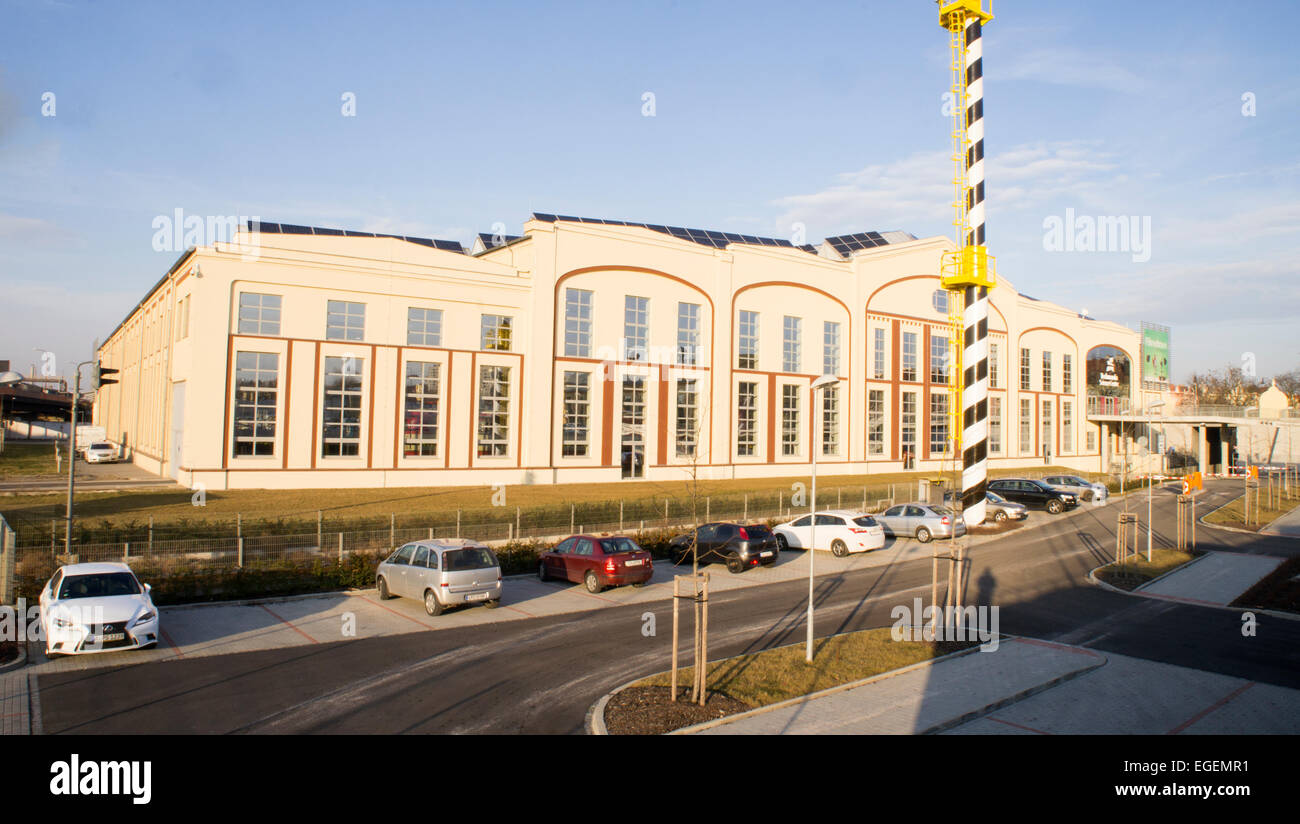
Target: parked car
<point x="100" y="452"/>
<point x="739" y="546"/>
<point x="1085" y="489"/>
<point x="597" y="561"/>
<point x="442" y="574"/>
<point x="95" y="608"/>
<point x="1034" y="494"/>
<point x="840" y="531"/>
<point x="997" y="508"/>
<point x="921" y="521"/>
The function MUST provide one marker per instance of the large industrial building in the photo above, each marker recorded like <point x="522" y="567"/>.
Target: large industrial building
<point x="585" y="350"/>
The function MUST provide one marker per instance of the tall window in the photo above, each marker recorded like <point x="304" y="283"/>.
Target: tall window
<point x="995" y="426"/>
<point x="495" y="333"/>
<point x="577" y="406"/>
<point x="493" y="410"/>
<point x="345" y="321"/>
<point x="183" y="319"/>
<point x="876" y="422"/>
<point x="420" y="424"/>
<point x="256" y="387"/>
<point x="748" y="340"/>
<point x="907" y="432"/>
<point x="831" y="420"/>
<point x="1067" y="374"/>
<point x="341" y="434"/>
<point x="1026" y="426"/>
<point x="830" y="348"/>
<point x="636" y="327"/>
<point x="687" y="408"/>
<point x="993" y="365"/>
<point x="789" y="419"/>
<point x="1067" y="426"/>
<point x="747" y="418"/>
<point x="939" y="423"/>
<point x="688" y="333"/>
<point x="633" y="441"/>
<point x="1024" y="370"/>
<point x="938" y="359"/>
<point x="909" y="356"/>
<point x="1046" y="422"/>
<point x="577" y="323"/>
<point x="878" y="355"/>
<point x="791" y="353"/>
<point x="1047" y="371"/>
<point x="423" y="327"/>
<point x="258" y="314"/>
<point x="1091" y="440"/>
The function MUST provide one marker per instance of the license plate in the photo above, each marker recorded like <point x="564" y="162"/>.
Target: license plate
<point x="767" y="554"/>
<point x="476" y="596"/>
<point x="633" y="563"/>
<point x="103" y="639"/>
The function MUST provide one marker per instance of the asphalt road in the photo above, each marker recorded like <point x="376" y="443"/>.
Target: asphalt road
<point x="541" y="675"/>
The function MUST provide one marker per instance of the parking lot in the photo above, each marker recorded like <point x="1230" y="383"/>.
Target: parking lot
<point x="217" y="629"/>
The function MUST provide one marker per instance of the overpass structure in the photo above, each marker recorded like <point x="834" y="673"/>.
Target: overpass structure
<point x="1221" y="436"/>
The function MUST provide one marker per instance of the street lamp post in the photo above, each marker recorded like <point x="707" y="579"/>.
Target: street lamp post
<point x="821" y="383"/>
<point x="1150" y="485"/>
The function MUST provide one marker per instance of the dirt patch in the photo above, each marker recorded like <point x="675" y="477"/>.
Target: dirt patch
<point x="648" y="710"/>
<point x="1278" y="591"/>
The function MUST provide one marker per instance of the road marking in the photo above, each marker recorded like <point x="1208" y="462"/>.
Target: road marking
<point x="170" y="642"/>
<point x="288" y="624"/>
<point x="424" y="624"/>
<point x="1221" y="702"/>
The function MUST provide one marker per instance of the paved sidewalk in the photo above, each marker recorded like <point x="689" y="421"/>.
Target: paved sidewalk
<point x="1133" y="696"/>
<point x="1288" y="525"/>
<point x="14" y="703"/>
<point x="926" y="697"/>
<point x="1218" y="578"/>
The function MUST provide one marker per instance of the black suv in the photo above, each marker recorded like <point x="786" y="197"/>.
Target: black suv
<point x="739" y="546"/>
<point x="1034" y="493"/>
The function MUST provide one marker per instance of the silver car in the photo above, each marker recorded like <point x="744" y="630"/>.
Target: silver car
<point x="997" y="508"/>
<point x="921" y="521"/>
<point x="1085" y="490"/>
<point x="442" y="574"/>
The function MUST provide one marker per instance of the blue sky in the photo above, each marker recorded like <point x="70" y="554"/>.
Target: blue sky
<point x="766" y="115"/>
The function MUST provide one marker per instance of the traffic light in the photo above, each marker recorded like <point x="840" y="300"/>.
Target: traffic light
<point x="101" y="375"/>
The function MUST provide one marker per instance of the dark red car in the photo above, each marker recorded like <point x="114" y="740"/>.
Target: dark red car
<point x="597" y="561"/>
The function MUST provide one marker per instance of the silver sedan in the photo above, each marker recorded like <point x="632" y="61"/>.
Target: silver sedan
<point x="921" y="521"/>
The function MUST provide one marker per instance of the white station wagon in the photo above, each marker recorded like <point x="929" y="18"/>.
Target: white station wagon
<point x="839" y="530"/>
<point x="441" y="573"/>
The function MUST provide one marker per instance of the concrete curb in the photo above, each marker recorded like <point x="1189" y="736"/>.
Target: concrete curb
<point x="1287" y="616"/>
<point x="1256" y="532"/>
<point x="272" y="599"/>
<point x="1203" y="554"/>
<point x="596" y="713"/>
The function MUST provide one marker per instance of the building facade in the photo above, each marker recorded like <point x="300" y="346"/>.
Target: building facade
<point x="582" y="351"/>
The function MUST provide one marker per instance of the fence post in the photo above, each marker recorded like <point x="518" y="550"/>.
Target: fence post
<point x="665" y="513"/>
<point x="510" y="531"/>
<point x="620" y="514"/>
<point x="864" y="499"/>
<point x="457" y="525"/>
<point x="340" y="548"/>
<point x="746" y="507"/>
<point x="839" y="498"/>
<point x="517" y="522"/>
<point x="706" y="509"/>
<point x="431" y="532"/>
<point x="780" y="504"/>
<point x="239" y="526"/>
<point x="54" y="529"/>
<point x="320" y="544"/>
<point x="392" y="531"/>
<point x="239" y="559"/>
<point x="126" y="551"/>
<point x="571" y="518"/>
<point x="8" y="551"/>
<point x="150" y="549"/>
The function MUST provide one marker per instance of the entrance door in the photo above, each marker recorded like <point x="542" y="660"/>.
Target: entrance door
<point x="633" y="440"/>
<point x="178" y="428"/>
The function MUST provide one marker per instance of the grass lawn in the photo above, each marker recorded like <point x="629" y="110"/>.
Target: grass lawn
<point x="1280" y="590"/>
<point x="274" y="511"/>
<point x="1234" y="513"/>
<point x="776" y="675"/>
<point x="1134" y="574"/>
<point x="22" y="460"/>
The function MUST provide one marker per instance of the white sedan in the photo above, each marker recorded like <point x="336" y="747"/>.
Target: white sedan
<point x="102" y="452"/>
<point x="839" y="530"/>
<point x="97" y="607"/>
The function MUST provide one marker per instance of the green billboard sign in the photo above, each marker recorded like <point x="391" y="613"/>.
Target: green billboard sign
<point x="1155" y="354"/>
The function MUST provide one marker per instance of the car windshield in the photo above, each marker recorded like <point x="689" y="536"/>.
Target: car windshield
<point x="100" y="585"/>
<point x="995" y="497"/>
<point x="101" y="446"/>
<point x="457" y="560"/>
<point x="864" y="520"/>
<point x="616" y="545"/>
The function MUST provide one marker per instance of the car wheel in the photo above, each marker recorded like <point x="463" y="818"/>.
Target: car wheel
<point x="592" y="582"/>
<point x="838" y="549"/>
<point x="382" y="586"/>
<point x="735" y="566"/>
<point x="923" y="535"/>
<point x="1054" y="507"/>
<point x="542" y="574"/>
<point x="782" y="545"/>
<point x="431" y="603"/>
<point x="999" y="516"/>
